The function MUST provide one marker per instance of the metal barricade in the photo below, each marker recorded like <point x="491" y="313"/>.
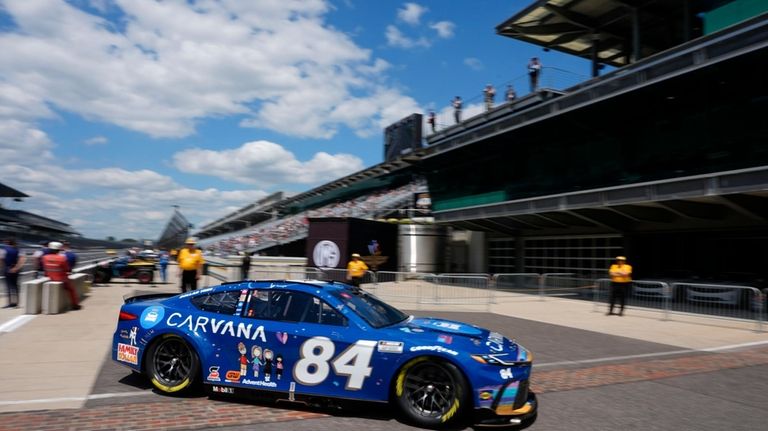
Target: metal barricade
<point x="720" y="300"/>
<point x="403" y="287"/>
<point x="284" y="272"/>
<point x="460" y="289"/>
<point x="564" y="284"/>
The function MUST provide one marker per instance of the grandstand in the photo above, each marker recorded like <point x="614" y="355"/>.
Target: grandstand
<point x="663" y="158"/>
<point x="28" y="227"/>
<point x="175" y="232"/>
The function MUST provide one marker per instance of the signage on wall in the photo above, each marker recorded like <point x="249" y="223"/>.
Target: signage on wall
<point x="326" y="254"/>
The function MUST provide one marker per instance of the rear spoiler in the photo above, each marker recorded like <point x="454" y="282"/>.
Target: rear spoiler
<point x="146" y="296"/>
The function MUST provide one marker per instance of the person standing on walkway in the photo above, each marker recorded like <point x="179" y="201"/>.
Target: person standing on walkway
<point x="356" y="270"/>
<point x="621" y="281"/>
<point x="190" y="265"/>
<point x="457" y="104"/>
<point x="163" y="259"/>
<point x="534" y="70"/>
<point x="246" y="265"/>
<point x="12" y="262"/>
<point x="57" y="269"/>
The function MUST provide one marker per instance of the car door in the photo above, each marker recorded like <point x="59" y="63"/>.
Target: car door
<point x="309" y="348"/>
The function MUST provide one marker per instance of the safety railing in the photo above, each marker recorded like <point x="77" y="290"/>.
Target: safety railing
<point x="460" y="289"/>
<point x="726" y="301"/>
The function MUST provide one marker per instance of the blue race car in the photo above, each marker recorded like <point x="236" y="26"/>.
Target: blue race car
<point x="309" y="340"/>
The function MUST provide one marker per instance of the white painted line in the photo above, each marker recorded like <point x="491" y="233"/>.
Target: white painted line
<point x="89" y="397"/>
<point x="735" y="346"/>
<point x="16" y="322"/>
<point x="651" y="355"/>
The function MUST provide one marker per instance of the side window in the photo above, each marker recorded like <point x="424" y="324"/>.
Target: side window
<point x="289" y="306"/>
<point x="222" y="302"/>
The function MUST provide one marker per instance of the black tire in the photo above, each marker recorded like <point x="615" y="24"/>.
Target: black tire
<point x="431" y="392"/>
<point x="101" y="276"/>
<point x="145" y="277"/>
<point x="172" y="365"/>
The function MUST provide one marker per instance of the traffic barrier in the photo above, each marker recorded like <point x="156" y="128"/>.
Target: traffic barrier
<point x="31" y="295"/>
<point x="53" y="297"/>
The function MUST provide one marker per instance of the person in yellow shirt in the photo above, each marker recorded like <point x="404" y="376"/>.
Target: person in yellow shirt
<point x="356" y="270"/>
<point x="190" y="265"/>
<point x="621" y="281"/>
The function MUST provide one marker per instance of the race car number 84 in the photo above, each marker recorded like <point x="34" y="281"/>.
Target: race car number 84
<point x="315" y="362"/>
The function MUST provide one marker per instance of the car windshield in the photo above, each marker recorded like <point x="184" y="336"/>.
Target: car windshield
<point x="377" y="313"/>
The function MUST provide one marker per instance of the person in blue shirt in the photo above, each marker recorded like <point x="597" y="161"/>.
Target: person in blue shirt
<point x="12" y="262"/>
<point x="121" y="263"/>
<point x="163" y="259"/>
<point x="70" y="255"/>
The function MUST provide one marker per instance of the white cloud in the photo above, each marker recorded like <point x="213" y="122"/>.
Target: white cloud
<point x="117" y="202"/>
<point x="171" y="64"/>
<point x="265" y="163"/>
<point x="474" y="63"/>
<point x="411" y="13"/>
<point x="444" y="29"/>
<point x="96" y="140"/>
<point x="397" y="39"/>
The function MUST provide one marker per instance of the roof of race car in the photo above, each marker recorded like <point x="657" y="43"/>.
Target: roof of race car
<point x="278" y="283"/>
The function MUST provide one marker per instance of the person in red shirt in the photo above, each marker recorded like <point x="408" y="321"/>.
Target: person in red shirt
<point x="57" y="268"/>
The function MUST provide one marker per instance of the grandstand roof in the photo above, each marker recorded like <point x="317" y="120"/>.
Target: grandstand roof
<point x="10" y="192"/>
<point x="23" y="218"/>
<point x="572" y="26"/>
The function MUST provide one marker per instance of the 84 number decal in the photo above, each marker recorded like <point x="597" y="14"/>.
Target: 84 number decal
<point x="315" y="362"/>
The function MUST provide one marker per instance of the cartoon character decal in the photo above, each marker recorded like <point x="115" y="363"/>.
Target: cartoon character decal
<point x="279" y="366"/>
<point x="268" y="357"/>
<point x="243" y="359"/>
<point x="256" y="360"/>
<point x="132" y="335"/>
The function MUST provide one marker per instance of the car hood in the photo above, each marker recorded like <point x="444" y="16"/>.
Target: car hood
<point x="452" y="334"/>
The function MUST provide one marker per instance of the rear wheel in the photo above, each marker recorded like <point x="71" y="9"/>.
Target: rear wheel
<point x="145" y="277"/>
<point x="431" y="392"/>
<point x="172" y="364"/>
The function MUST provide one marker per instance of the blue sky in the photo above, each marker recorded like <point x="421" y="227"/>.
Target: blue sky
<point x="113" y="111"/>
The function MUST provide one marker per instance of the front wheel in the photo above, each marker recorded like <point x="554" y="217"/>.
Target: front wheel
<point x="172" y="364"/>
<point x="431" y="392"/>
<point x="101" y="276"/>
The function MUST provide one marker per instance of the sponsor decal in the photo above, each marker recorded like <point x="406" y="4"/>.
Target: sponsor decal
<point x="151" y="316"/>
<point x="410" y="329"/>
<point x="132" y="335"/>
<point x="232" y="376"/>
<point x="506" y="373"/>
<point x="223" y="390"/>
<point x="486" y="395"/>
<point x="217" y="326"/>
<point x="213" y="374"/>
<point x="282" y="337"/>
<point x="259" y="383"/>
<point x="195" y="292"/>
<point x="124" y="334"/>
<point x="446" y="339"/>
<point x="128" y="353"/>
<point x="390" y="346"/>
<point x="438" y="349"/>
<point x="448" y="326"/>
<point x="495" y="342"/>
